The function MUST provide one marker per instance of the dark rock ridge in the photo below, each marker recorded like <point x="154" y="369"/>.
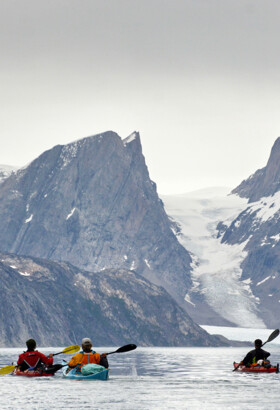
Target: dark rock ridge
<point x="59" y="304"/>
<point x="92" y="203"/>
<point x="258" y="227"/>
<point x="264" y="182"/>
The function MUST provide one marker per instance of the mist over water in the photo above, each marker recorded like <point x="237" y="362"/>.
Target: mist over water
<point x="149" y="378"/>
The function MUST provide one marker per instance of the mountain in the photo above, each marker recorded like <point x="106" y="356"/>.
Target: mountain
<point x="59" y="304"/>
<point x="257" y="230"/>
<point x="92" y="203"/>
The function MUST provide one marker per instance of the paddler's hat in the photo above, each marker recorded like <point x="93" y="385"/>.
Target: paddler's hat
<point x="86" y="341"/>
<point x="31" y="344"/>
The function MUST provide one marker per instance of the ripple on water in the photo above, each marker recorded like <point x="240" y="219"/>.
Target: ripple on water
<point x="150" y="378"/>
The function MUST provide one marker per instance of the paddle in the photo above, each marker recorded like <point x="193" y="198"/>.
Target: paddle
<point x="7" y="369"/>
<point x="123" y="349"/>
<point x="67" y="350"/>
<point x="273" y="336"/>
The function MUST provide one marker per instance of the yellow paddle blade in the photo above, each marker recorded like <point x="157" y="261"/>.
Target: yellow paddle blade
<point x="71" y="349"/>
<point x="7" y="369"/>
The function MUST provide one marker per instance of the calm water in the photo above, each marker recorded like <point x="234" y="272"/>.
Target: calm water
<point x="149" y="378"/>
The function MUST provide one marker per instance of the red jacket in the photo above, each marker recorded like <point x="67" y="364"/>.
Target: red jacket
<point x="34" y="358"/>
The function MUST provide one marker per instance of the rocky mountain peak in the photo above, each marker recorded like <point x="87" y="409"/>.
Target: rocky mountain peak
<point x="92" y="203"/>
<point x="264" y="182"/>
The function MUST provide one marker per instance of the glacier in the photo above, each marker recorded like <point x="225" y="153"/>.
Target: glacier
<point x="216" y="268"/>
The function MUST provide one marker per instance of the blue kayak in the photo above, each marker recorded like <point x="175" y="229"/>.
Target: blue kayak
<point x="73" y="374"/>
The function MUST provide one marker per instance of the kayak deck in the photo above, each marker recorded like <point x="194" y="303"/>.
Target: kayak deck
<point x="73" y="374"/>
<point x="257" y="369"/>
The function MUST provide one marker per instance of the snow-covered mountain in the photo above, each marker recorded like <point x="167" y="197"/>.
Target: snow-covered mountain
<point x="258" y="226"/>
<point x="234" y="240"/>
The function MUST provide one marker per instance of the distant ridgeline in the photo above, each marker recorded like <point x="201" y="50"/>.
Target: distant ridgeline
<point x="91" y="203"/>
<point x="58" y="304"/>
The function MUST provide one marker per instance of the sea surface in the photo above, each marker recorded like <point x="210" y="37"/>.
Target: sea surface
<point x="149" y="378"/>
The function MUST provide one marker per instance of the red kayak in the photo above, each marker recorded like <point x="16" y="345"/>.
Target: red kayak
<point x="31" y="373"/>
<point x="257" y="369"/>
<point x="38" y="372"/>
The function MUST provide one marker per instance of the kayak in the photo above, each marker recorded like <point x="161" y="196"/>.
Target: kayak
<point x="37" y="373"/>
<point x="257" y="369"/>
<point x="31" y="373"/>
<point x="73" y="374"/>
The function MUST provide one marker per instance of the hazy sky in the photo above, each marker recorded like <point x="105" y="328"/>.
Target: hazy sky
<point x="199" y="79"/>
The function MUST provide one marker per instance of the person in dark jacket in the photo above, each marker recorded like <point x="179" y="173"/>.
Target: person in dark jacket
<point x="255" y="355"/>
<point x="32" y="358"/>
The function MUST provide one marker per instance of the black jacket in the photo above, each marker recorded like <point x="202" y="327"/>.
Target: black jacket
<point x="254" y="355"/>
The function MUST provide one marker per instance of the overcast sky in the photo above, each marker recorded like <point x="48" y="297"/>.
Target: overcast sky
<point x="199" y="79"/>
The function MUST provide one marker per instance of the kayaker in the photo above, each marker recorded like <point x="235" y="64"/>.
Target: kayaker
<point x="255" y="355"/>
<point x="32" y="358"/>
<point x="87" y="355"/>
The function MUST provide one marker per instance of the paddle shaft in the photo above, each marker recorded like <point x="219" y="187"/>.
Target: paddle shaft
<point x="54" y="354"/>
<point x="69" y="350"/>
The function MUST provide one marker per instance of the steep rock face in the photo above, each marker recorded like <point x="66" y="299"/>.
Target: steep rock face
<point x="59" y="304"/>
<point x="93" y="204"/>
<point x="257" y="227"/>
<point x="264" y="182"/>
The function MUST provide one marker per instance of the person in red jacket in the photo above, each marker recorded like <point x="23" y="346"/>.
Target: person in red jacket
<point x="32" y="359"/>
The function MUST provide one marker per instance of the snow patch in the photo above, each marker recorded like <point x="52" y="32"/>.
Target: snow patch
<point x="247" y="281"/>
<point x="188" y="299"/>
<point x="69" y="152"/>
<point x="130" y="138"/>
<point x="147" y="263"/>
<point x="71" y="213"/>
<point x="276" y="238"/>
<point x="29" y="219"/>
<point x="24" y="273"/>
<point x="266" y="208"/>
<point x="262" y="281"/>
